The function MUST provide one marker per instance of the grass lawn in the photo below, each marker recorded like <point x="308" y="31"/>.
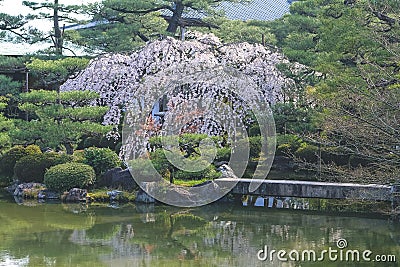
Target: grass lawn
<point x="190" y="182"/>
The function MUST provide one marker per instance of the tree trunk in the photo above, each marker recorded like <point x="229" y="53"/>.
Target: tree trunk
<point x="58" y="38"/>
<point x="69" y="148"/>
<point x="176" y="17"/>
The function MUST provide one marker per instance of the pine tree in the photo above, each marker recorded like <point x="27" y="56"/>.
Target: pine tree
<point x="57" y="13"/>
<point x="59" y="119"/>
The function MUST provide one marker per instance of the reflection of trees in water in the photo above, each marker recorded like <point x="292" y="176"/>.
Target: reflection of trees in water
<point x="211" y="236"/>
<point x="290" y="229"/>
<point x="229" y="236"/>
<point x="117" y="237"/>
<point x="50" y="246"/>
<point x="141" y="238"/>
<point x="186" y="236"/>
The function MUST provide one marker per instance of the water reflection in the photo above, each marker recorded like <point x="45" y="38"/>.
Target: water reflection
<point x="277" y="202"/>
<point x="215" y="235"/>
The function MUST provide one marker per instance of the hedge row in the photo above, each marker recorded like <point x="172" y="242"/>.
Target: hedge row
<point x="32" y="168"/>
<point x="29" y="164"/>
<point x="10" y="158"/>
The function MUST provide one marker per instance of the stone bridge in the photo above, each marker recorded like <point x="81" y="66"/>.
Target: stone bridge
<point x="287" y="188"/>
<point x="306" y="189"/>
<point x="322" y="190"/>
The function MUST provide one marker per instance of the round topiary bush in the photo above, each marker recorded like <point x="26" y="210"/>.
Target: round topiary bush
<point x="64" y="177"/>
<point x="31" y="168"/>
<point x="10" y="158"/>
<point x="33" y="149"/>
<point x="78" y="156"/>
<point x="101" y="159"/>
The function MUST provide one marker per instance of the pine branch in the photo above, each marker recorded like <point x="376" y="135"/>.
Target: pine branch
<point x="141" y="12"/>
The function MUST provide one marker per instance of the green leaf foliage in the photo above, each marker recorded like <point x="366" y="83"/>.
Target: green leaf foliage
<point x="231" y="31"/>
<point x="189" y="148"/>
<point x="10" y="158"/>
<point x="12" y="63"/>
<point x="6" y="125"/>
<point x="144" y="20"/>
<point x="101" y="159"/>
<point x="31" y="168"/>
<point x="8" y="87"/>
<point x="111" y="37"/>
<point x="60" y="119"/>
<point x="64" y="177"/>
<point x="354" y="48"/>
<point x="50" y="74"/>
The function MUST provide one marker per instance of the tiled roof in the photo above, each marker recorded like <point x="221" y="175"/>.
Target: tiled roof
<point x="85" y="26"/>
<point x="255" y="10"/>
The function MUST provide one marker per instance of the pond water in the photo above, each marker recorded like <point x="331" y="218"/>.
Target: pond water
<point x="33" y="234"/>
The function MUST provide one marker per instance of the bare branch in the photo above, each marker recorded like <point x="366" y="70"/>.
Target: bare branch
<point x="141" y="12"/>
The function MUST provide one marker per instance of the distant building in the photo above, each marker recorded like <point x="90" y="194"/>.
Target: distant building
<point x="256" y="10"/>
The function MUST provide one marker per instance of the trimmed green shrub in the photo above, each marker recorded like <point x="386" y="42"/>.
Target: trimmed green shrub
<point x="165" y="168"/>
<point x="189" y="147"/>
<point x="209" y="173"/>
<point x="64" y="177"/>
<point x="223" y="154"/>
<point x="160" y="163"/>
<point x="33" y="149"/>
<point x="78" y="156"/>
<point x="10" y="158"/>
<point x="188" y="142"/>
<point x="31" y="168"/>
<point x="192" y="140"/>
<point x="253" y="143"/>
<point x="154" y="143"/>
<point x="101" y="159"/>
